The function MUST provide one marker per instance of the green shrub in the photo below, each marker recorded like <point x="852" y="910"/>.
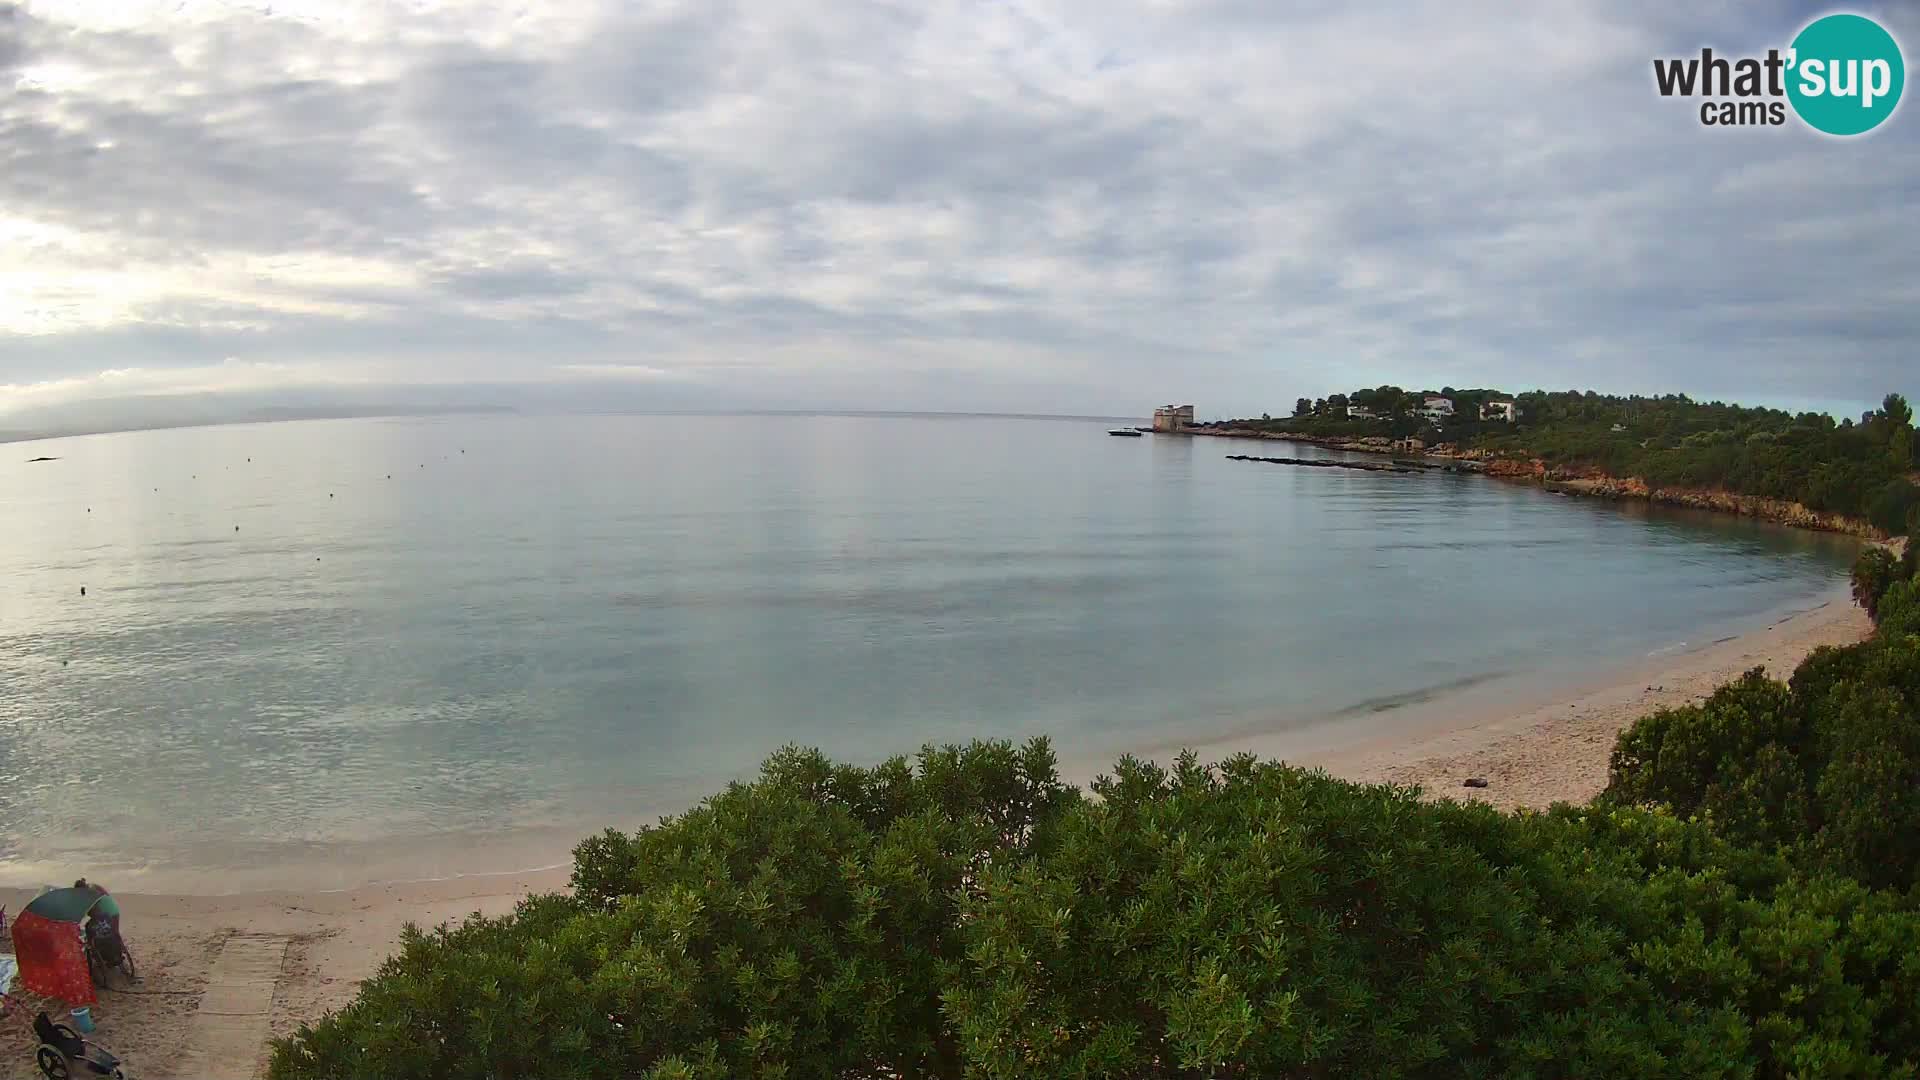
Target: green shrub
<point x="1887" y="660"/>
<point x="490" y="997"/>
<point x="1825" y="768"/>
<point x="1735" y="758"/>
<point x="1869" y="788"/>
<point x="971" y="917"/>
<point x="1261" y="921"/>
<point x="1890" y="507"/>
<point x="1874" y="572"/>
<point x="800" y="925"/>
<point x="1823" y="971"/>
<point x="1900" y="609"/>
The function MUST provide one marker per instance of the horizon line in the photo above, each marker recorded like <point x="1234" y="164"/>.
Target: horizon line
<point x="21" y="438"/>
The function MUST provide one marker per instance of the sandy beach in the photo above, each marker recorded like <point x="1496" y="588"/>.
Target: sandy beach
<point x="221" y="974"/>
<point x="1557" y="751"/>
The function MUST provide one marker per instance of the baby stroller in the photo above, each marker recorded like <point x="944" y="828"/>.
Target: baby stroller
<point x="62" y="1051"/>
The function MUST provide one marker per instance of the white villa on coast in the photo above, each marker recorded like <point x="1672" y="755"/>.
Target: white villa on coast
<point x="1499" y="410"/>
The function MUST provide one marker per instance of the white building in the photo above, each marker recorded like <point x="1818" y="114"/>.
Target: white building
<point x="1499" y="410"/>
<point x="1437" y="408"/>
<point x="1359" y="412"/>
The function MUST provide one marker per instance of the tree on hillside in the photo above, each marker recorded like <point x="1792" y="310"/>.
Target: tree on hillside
<point x="1383" y="400"/>
<point x="1899" y="417"/>
<point x="1863" y="471"/>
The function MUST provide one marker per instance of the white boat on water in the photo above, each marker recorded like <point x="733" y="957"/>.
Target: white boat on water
<point x="1123" y="432"/>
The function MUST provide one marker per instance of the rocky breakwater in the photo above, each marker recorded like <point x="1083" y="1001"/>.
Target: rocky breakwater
<point x="1322" y="463"/>
<point x="1397" y="465"/>
<point x="1371" y="444"/>
<point x="1589" y="482"/>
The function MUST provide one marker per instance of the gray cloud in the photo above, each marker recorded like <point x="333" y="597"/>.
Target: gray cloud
<point x="1055" y="205"/>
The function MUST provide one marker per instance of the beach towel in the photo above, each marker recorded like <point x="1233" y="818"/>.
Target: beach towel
<point x="8" y="965"/>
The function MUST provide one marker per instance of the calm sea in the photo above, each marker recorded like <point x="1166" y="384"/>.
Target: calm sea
<point x="304" y="642"/>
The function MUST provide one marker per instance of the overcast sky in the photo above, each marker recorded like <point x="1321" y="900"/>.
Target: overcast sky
<point x="1087" y="206"/>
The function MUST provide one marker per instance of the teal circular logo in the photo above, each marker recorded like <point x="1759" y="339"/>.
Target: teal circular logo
<point x="1845" y="74"/>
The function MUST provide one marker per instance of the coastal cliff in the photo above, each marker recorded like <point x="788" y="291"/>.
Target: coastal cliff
<point x="1600" y="486"/>
<point x="1586" y="482"/>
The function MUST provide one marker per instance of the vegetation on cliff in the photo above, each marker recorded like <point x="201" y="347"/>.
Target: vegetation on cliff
<point x="1739" y="903"/>
<point x="1861" y="469"/>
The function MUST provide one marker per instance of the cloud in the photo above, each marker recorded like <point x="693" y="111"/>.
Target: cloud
<point x="616" y="371"/>
<point x="1037" y="205"/>
<point x="228" y="377"/>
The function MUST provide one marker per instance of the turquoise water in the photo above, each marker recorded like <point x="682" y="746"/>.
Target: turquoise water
<point x="430" y="631"/>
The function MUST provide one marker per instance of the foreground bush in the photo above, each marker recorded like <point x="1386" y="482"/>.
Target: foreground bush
<point x="1741" y="759"/>
<point x="1874" y="572"/>
<point x="1900" y="610"/>
<point x="1825" y="769"/>
<point x="802" y="925"/>
<point x="971" y="917"/>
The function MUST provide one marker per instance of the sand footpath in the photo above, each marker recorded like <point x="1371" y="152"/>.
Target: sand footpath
<point x="208" y="978"/>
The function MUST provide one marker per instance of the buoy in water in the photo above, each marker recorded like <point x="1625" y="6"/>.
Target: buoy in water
<point x="83" y="590"/>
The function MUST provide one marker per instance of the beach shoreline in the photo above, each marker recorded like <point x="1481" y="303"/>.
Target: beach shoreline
<point x="1536" y="741"/>
<point x="1531" y="754"/>
<point x="1558" y="750"/>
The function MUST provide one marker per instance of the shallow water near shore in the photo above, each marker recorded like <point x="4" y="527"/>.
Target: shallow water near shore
<point x="321" y="653"/>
